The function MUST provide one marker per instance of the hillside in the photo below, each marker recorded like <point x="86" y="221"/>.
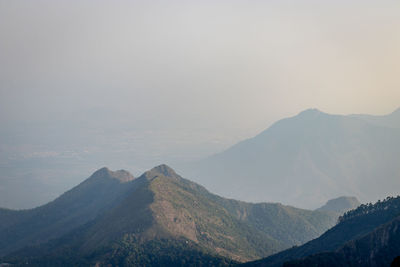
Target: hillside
<point x="160" y="209"/>
<point x="378" y="248"/>
<point x="99" y="192"/>
<point x="367" y="230"/>
<point x="309" y="158"/>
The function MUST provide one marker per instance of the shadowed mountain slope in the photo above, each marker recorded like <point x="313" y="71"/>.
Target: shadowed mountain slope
<point x="74" y="208"/>
<point x="308" y="158"/>
<point x="378" y="248"/>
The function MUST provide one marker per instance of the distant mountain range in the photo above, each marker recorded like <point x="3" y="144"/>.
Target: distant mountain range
<point x="157" y="219"/>
<point x="308" y="158"/>
<point x="366" y="236"/>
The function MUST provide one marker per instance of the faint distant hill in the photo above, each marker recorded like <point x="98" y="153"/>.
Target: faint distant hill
<point x="366" y="236"/>
<point x="158" y="219"/>
<point x="390" y="120"/>
<point x="340" y="205"/>
<point x="308" y="158"/>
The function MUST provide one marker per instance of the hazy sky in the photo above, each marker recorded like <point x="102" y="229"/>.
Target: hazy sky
<point x="131" y="84"/>
<point x="233" y="65"/>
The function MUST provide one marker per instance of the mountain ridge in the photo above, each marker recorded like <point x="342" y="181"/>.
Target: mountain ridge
<point x="378" y="248"/>
<point x="309" y="158"/>
<point x="72" y="209"/>
<point x="161" y="207"/>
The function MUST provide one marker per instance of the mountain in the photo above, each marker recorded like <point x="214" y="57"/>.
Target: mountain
<point x="308" y="158"/>
<point x="340" y="205"/>
<point x="99" y="192"/>
<point x="366" y="236"/>
<point x="378" y="248"/>
<point x="390" y="120"/>
<point x="159" y="218"/>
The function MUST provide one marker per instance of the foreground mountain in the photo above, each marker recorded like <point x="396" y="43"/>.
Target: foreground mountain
<point x="309" y="158"/>
<point x="366" y="236"/>
<point x="378" y="248"/>
<point x="160" y="219"/>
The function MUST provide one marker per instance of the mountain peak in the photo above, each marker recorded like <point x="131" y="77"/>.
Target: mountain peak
<point x="101" y="172"/>
<point x="311" y="112"/>
<point x="164" y="170"/>
<point x="120" y="175"/>
<point x="123" y="176"/>
<point x="135" y="217"/>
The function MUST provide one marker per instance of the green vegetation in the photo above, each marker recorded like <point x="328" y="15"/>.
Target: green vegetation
<point x="78" y="206"/>
<point x="129" y="251"/>
<point x="157" y="219"/>
<point x="369" y="228"/>
<point x="378" y="248"/>
<point x="388" y="208"/>
<point x="164" y="252"/>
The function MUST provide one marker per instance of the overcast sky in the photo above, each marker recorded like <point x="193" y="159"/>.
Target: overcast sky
<point x="233" y="67"/>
